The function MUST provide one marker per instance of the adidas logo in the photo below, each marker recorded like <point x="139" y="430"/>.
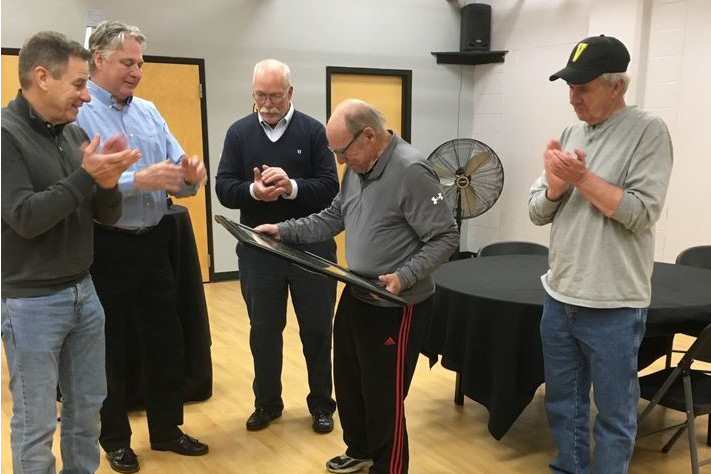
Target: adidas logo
<point x="390" y="341"/>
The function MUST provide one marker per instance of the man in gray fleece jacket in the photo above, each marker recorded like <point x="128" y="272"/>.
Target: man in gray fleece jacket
<point x="603" y="188"/>
<point x="54" y="184"/>
<point x="398" y="231"/>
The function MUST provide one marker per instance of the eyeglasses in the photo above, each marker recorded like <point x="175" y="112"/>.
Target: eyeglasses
<point x="275" y="98"/>
<point x="343" y="150"/>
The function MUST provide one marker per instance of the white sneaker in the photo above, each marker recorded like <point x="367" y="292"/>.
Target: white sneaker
<point x="345" y="463"/>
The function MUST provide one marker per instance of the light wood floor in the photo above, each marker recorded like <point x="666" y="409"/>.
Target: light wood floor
<point x="444" y="438"/>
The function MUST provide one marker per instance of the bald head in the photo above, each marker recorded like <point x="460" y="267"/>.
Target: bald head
<point x="357" y="135"/>
<point x="354" y="115"/>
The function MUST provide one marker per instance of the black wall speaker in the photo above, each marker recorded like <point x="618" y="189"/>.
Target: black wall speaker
<point x="476" y="27"/>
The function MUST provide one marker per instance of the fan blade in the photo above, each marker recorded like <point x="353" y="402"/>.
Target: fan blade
<point x="469" y="200"/>
<point x="443" y="172"/>
<point x="476" y="161"/>
<point x="446" y="182"/>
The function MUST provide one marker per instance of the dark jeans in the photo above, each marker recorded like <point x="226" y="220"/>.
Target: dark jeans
<point x="134" y="281"/>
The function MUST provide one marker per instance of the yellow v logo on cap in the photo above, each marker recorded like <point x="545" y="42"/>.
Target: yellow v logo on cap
<point x="579" y="50"/>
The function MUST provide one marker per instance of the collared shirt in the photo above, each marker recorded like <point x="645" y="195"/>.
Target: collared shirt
<point x="274" y="134"/>
<point x="144" y="128"/>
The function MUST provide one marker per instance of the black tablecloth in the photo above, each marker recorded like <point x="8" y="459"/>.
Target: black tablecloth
<point x="192" y="311"/>
<point x="486" y="316"/>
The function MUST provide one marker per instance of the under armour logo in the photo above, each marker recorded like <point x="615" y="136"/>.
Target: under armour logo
<point x="436" y="198"/>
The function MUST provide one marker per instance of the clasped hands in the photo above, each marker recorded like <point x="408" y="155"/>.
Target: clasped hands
<point x="563" y="169"/>
<point x="270" y="183"/>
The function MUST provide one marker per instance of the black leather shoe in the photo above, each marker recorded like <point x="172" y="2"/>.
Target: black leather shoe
<point x="123" y="460"/>
<point x="323" y="422"/>
<point x="260" y="419"/>
<point x="185" y="445"/>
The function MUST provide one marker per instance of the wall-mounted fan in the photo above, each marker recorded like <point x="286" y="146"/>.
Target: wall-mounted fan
<point x="471" y="176"/>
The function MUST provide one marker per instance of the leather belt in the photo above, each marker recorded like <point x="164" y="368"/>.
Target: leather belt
<point x="121" y="230"/>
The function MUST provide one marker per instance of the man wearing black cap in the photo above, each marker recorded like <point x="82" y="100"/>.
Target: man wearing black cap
<point x="602" y="188"/>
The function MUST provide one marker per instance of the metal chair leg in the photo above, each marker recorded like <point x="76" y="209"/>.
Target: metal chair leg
<point x="690" y="423"/>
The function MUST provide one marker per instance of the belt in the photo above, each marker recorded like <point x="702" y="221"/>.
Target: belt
<point x="121" y="230"/>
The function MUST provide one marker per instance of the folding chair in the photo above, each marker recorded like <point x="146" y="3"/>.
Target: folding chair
<point x="683" y="389"/>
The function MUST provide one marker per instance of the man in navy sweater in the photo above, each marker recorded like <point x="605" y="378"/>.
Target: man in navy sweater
<point x="275" y="166"/>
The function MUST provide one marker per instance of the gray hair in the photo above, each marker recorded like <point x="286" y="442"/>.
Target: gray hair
<point x="50" y="50"/>
<point x="365" y="116"/>
<point x="109" y="36"/>
<point x="612" y="77"/>
<point x="273" y="64"/>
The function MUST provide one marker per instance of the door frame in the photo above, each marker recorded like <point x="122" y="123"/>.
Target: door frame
<point x="200" y="63"/>
<point x="404" y="74"/>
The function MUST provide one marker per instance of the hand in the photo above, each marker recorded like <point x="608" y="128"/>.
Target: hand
<point x="392" y="283"/>
<point x="263" y="192"/>
<point x="556" y="186"/>
<point x="115" y="144"/>
<point x="106" y="168"/>
<point x="193" y="170"/>
<point x="275" y="176"/>
<point x="163" y="176"/>
<point x="269" y="229"/>
<point x="570" y="167"/>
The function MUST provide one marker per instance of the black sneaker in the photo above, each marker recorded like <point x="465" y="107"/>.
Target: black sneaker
<point x="123" y="460"/>
<point x="345" y="463"/>
<point x="260" y="419"/>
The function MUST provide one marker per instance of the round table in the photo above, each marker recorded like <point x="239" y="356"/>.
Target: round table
<point x="486" y="316"/>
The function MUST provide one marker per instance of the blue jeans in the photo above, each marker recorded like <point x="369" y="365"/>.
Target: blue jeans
<point x="584" y="346"/>
<point x="48" y="340"/>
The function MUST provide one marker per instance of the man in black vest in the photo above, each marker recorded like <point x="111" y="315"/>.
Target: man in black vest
<point x="275" y="166"/>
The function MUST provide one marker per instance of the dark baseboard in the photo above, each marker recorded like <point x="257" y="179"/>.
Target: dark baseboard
<point x="224" y="276"/>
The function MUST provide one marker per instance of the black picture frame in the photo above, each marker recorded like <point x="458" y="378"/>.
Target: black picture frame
<point x="248" y="236"/>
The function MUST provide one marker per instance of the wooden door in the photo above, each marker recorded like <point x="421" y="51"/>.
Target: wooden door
<point x="175" y="88"/>
<point x="388" y="90"/>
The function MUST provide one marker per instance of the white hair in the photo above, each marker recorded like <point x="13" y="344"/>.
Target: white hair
<point x="273" y="65"/>
<point x="612" y="77"/>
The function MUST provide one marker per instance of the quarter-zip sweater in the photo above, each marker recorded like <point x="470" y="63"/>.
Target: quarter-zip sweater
<point x="49" y="203"/>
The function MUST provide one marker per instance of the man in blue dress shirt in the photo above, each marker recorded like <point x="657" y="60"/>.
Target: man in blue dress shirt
<point x="131" y="267"/>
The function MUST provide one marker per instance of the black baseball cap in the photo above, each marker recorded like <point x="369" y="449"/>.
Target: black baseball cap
<point x="593" y="57"/>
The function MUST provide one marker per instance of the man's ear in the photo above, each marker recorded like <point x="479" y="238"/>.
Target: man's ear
<point x="42" y="77"/>
<point x="98" y="59"/>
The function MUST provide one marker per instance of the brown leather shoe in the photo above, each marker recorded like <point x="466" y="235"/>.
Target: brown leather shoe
<point x="123" y="460"/>
<point x="185" y="445"/>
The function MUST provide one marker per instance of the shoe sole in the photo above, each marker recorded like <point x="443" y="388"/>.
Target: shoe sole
<point x="322" y="430"/>
<point x="125" y="471"/>
<point x="358" y="467"/>
<point x="199" y="453"/>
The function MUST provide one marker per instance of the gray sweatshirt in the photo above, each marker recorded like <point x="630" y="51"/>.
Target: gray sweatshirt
<point x="606" y="262"/>
<point x="395" y="221"/>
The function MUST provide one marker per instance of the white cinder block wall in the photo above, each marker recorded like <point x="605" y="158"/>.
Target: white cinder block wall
<point x="671" y="72"/>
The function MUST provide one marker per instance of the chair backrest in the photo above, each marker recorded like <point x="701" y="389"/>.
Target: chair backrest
<point x="696" y="257"/>
<point x="513" y="248"/>
<point x="700" y="349"/>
